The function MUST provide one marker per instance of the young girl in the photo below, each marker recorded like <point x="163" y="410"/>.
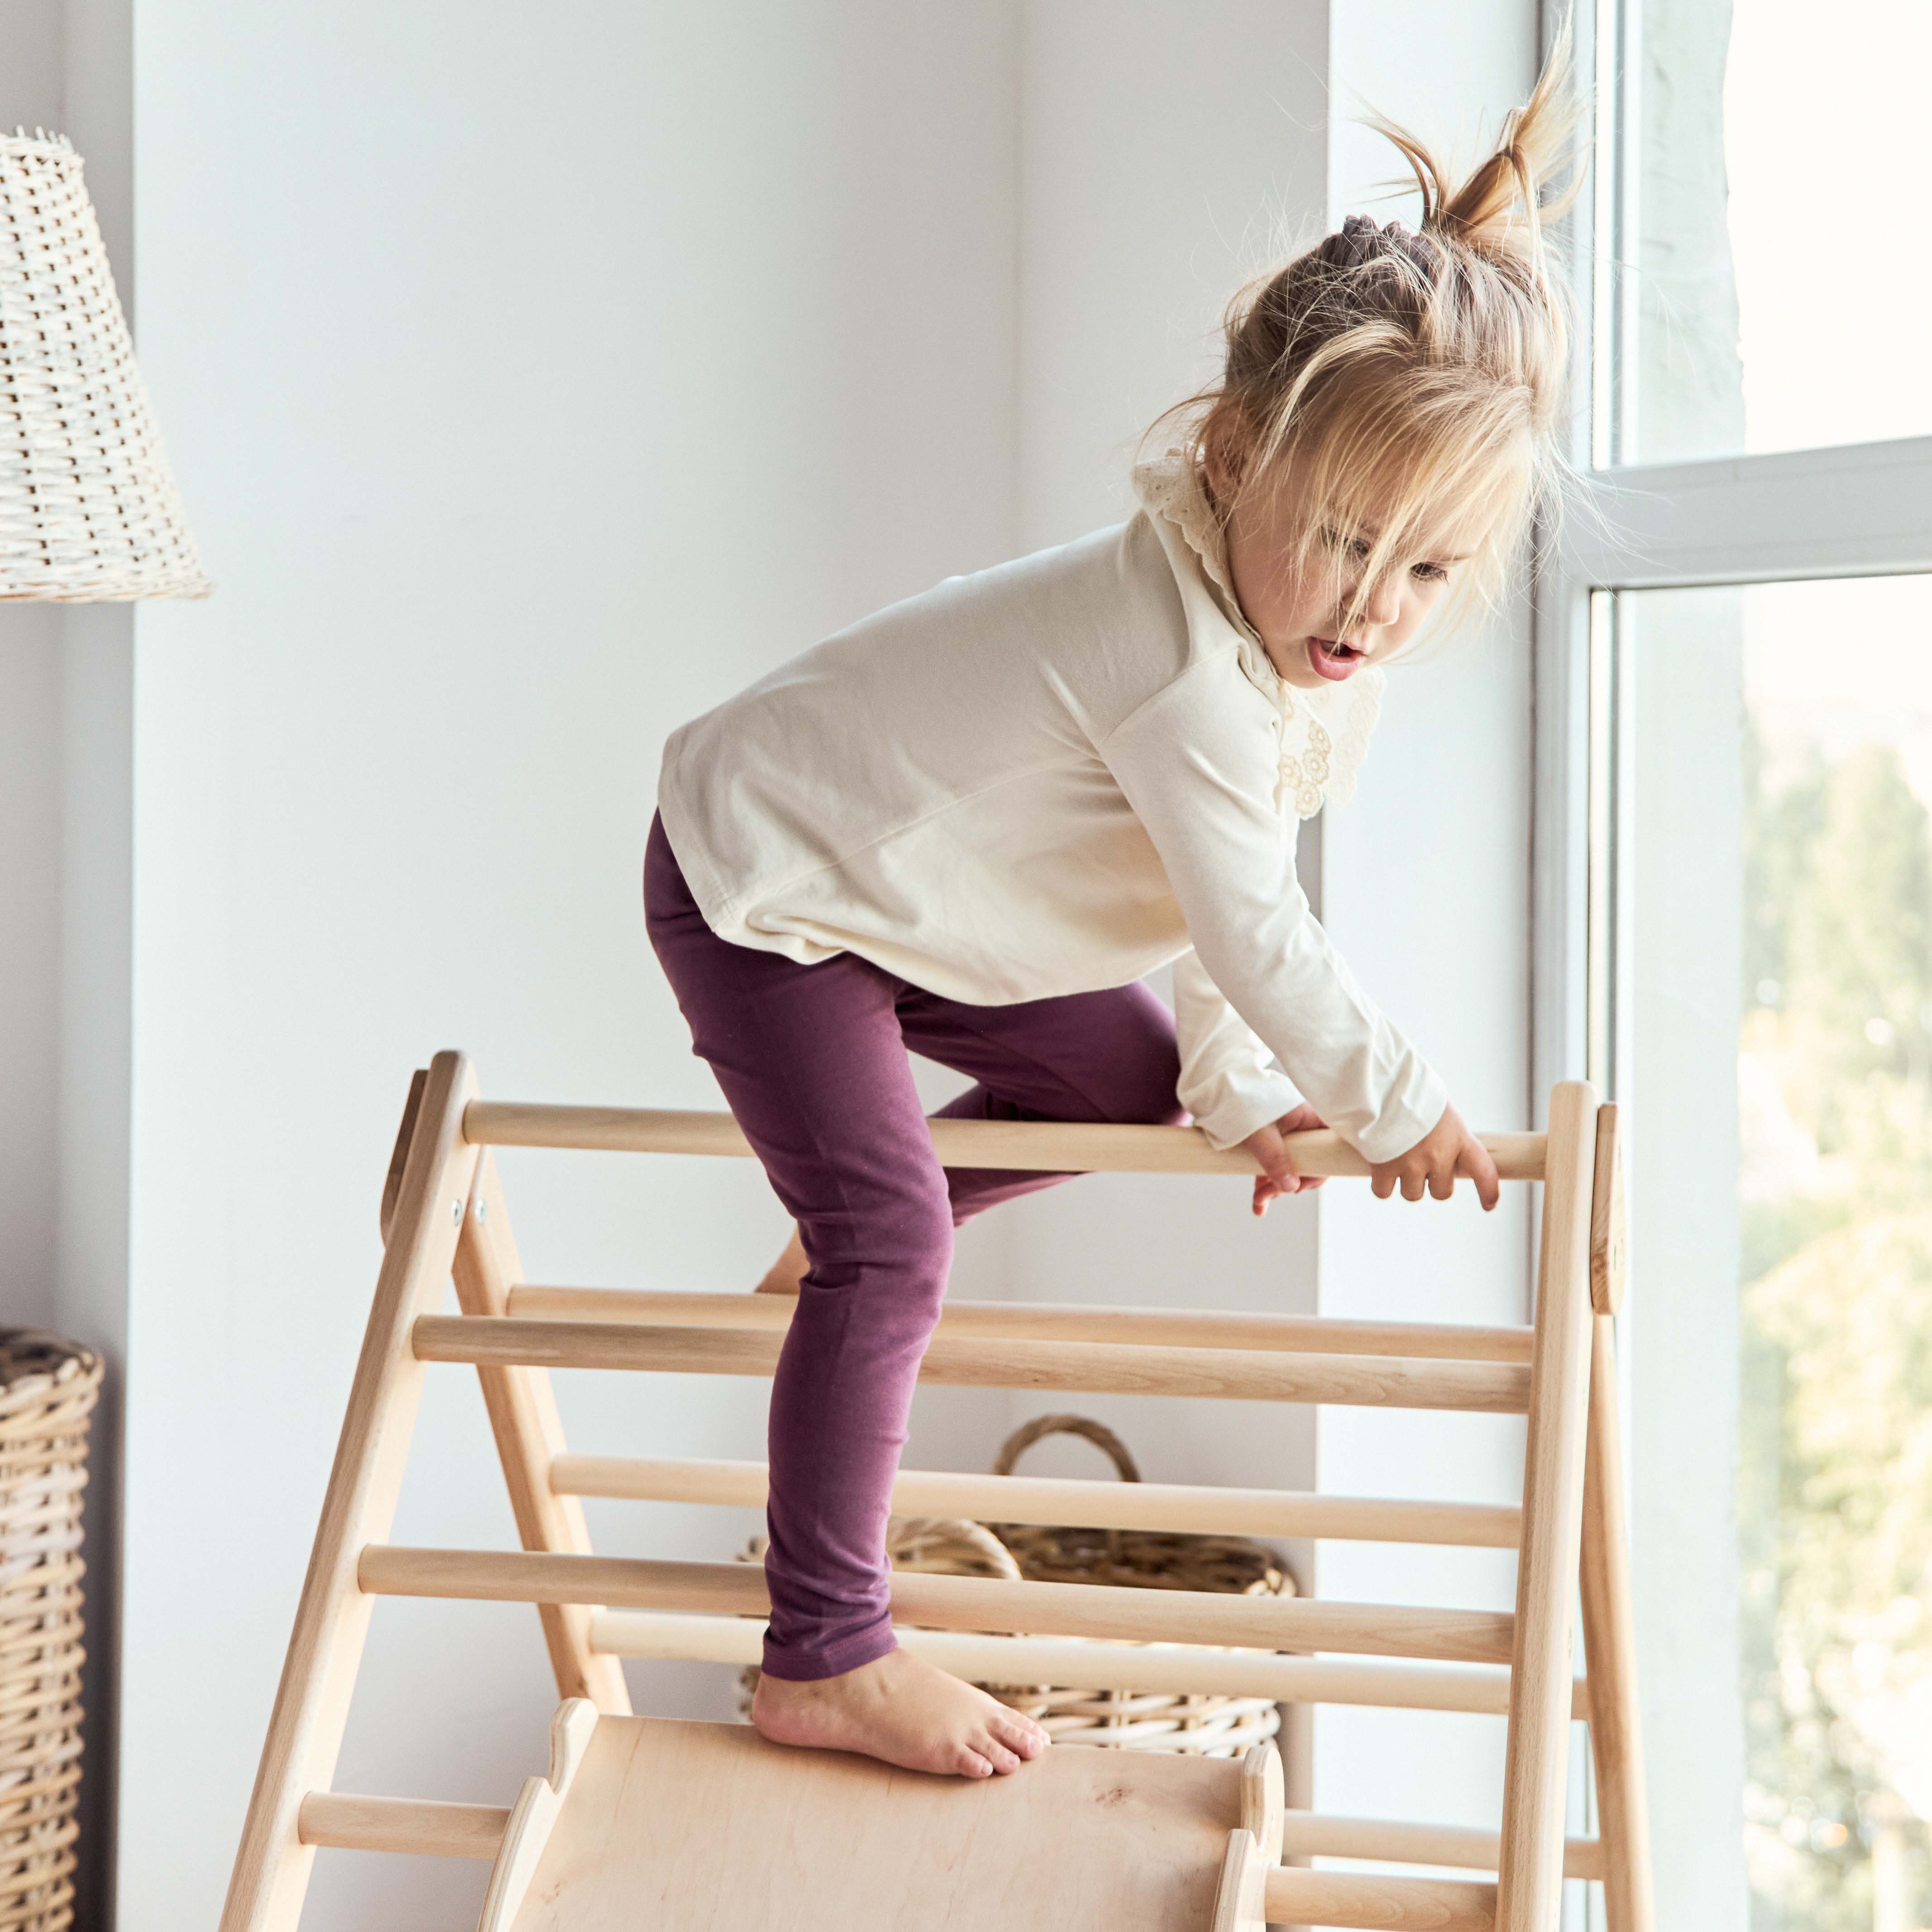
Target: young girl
<point x="968" y="825"/>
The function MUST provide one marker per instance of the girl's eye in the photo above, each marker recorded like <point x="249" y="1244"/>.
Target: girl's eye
<point x="1431" y="573"/>
<point x="1357" y="548"/>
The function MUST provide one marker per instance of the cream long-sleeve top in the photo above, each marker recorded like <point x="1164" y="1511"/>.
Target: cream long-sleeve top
<point x="1054" y="776"/>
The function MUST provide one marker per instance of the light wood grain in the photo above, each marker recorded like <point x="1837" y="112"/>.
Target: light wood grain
<point x="1240" y="1898"/>
<point x="700" y="1827"/>
<point x="1031" y="1321"/>
<point x="1385" y="1382"/>
<point x="1082" y="1664"/>
<point x="522" y="1408"/>
<point x="537" y="1810"/>
<point x="272" y="1866"/>
<point x="957" y="1602"/>
<point x="1185" y="1508"/>
<point x="1387" y="1904"/>
<point x="1529" y="1877"/>
<point x="1264" y="1799"/>
<point x="1312" y="1834"/>
<point x="425" y="1826"/>
<point x="1610" y="1233"/>
<point x="1609" y="1644"/>
<point x="399" y="1153"/>
<point x="1038" y="1146"/>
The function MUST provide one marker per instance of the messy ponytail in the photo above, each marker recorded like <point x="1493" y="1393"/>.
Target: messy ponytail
<point x="1387" y="377"/>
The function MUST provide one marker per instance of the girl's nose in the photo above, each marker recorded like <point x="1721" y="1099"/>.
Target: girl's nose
<point x="1383" y="604"/>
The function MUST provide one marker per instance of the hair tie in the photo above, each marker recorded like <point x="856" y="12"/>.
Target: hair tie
<point x="1361" y="239"/>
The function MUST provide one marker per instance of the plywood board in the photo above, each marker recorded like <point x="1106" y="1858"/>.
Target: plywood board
<point x="680" y="1827"/>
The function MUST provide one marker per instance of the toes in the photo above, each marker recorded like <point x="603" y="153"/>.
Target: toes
<point x="997" y="1754"/>
<point x="970" y="1764"/>
<point x="1020" y="1734"/>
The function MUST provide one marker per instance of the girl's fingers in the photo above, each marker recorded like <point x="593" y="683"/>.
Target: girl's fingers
<point x="1476" y="1163"/>
<point x="1415" y="1183"/>
<point x="1442" y="1180"/>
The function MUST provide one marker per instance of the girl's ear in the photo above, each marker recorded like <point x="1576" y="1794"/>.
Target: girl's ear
<point x="1223" y="468"/>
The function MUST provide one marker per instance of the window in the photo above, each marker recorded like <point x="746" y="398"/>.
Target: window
<point x="1734" y="921"/>
<point x="1773" y="186"/>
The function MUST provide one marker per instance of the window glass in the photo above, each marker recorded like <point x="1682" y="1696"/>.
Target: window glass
<point x="1779" y="949"/>
<point x="1775" y="279"/>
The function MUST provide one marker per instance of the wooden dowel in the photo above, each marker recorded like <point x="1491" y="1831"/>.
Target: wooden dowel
<point x="1038" y="1146"/>
<point x="956" y="1603"/>
<point x="1080" y="1665"/>
<point x="1027" y="1321"/>
<point x="422" y="1825"/>
<point x="1309" y="1834"/>
<point x="1387" y="1382"/>
<point x="1183" y="1508"/>
<point x="1387" y="1904"/>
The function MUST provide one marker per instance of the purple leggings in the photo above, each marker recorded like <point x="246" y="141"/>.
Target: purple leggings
<point x="812" y="1059"/>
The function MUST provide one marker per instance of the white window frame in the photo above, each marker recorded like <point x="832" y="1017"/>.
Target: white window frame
<point x="1852" y="510"/>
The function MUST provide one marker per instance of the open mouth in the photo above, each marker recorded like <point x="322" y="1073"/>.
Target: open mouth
<point x="1331" y="659"/>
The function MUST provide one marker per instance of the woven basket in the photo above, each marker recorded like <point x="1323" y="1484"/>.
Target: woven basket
<point x="48" y="1389"/>
<point x="1198" y="1725"/>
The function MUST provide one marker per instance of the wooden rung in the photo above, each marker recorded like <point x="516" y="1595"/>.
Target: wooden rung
<point x="955" y="1603"/>
<point x="1309" y="1834"/>
<point x="1180" y="1507"/>
<point x="422" y="1825"/>
<point x="1028" y="1321"/>
<point x="1037" y="1146"/>
<point x="1483" y="1689"/>
<point x="1384" y="1381"/>
<point x="1389" y="1904"/>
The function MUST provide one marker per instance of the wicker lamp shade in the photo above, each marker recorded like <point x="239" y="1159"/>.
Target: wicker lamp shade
<point x="89" y="512"/>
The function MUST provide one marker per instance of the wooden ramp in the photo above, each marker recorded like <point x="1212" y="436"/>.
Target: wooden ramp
<point x="647" y="1823"/>
<point x="678" y="1827"/>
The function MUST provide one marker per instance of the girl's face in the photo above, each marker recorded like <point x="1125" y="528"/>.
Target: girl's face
<point x="1300" y="614"/>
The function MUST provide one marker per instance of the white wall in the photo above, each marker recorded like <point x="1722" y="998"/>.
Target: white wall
<point x="533" y="383"/>
<point x="1426" y="890"/>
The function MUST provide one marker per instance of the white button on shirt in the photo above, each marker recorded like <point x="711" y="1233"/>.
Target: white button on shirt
<point x="1055" y="776"/>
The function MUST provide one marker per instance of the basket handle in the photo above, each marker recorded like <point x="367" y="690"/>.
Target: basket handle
<point x="1098" y="1433"/>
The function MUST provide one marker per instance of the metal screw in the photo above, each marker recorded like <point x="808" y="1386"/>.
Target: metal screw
<point x="456" y="1213"/>
<point x="482" y="1212"/>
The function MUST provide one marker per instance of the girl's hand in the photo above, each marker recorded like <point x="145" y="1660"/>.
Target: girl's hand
<point x="1278" y="1175"/>
<point x="1446" y="1150"/>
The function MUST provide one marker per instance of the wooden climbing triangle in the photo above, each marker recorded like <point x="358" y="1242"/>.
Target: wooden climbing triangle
<point x="643" y="1822"/>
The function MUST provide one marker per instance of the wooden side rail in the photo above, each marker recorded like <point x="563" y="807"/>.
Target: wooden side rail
<point x="955" y="1603"/>
<point x="1029" y="1321"/>
<point x="1308" y="1834"/>
<point x="422" y="1825"/>
<point x="1387" y="1382"/>
<point x="1482" y="1690"/>
<point x="1297" y="1898"/>
<point x="1181" y="1507"/>
<point x="1038" y="1146"/>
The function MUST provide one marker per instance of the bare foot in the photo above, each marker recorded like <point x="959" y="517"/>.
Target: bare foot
<point x="785" y="1273"/>
<point x="903" y="1711"/>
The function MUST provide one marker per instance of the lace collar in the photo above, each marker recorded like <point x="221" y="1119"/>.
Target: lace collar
<point x="1324" y="734"/>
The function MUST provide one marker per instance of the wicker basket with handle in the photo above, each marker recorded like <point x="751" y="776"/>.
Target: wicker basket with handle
<point x="1199" y="1725"/>
<point x="48" y="1390"/>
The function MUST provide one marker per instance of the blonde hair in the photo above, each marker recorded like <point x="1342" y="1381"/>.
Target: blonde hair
<point x="1388" y="377"/>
